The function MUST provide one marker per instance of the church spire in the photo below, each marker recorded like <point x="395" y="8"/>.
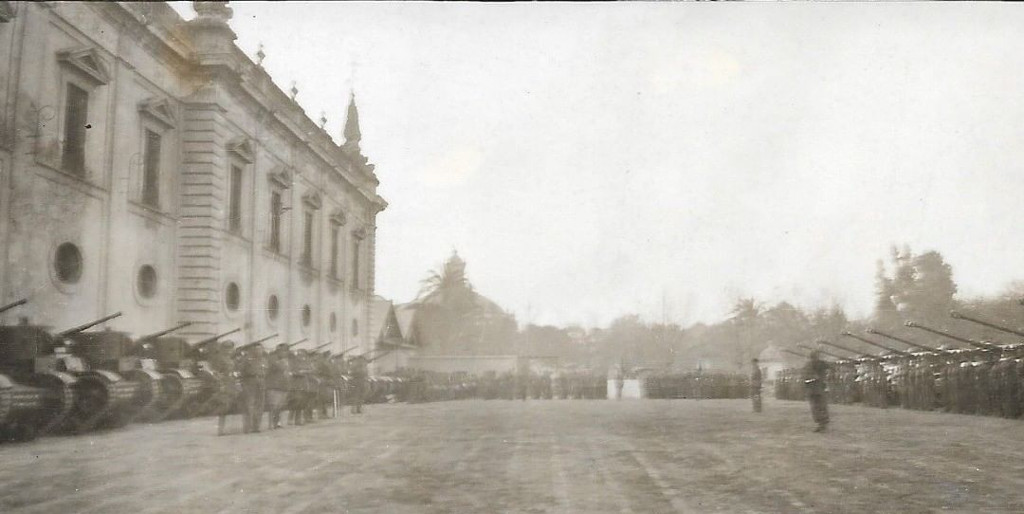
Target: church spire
<point x="352" y="134"/>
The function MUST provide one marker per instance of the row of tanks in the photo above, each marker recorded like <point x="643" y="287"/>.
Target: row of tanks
<point x="81" y="379"/>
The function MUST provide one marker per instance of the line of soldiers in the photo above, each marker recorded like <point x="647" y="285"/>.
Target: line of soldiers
<point x="697" y="385"/>
<point x="985" y="379"/>
<point x="426" y="386"/>
<point x="306" y="383"/>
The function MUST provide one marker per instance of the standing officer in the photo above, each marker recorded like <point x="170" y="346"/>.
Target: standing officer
<point x="814" y="380"/>
<point x="755" y="384"/>
<point x="278" y="383"/>
<point x="227" y="392"/>
<point x="254" y="372"/>
<point x="358" y="373"/>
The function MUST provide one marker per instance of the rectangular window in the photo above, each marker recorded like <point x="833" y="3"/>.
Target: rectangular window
<point x="307" y="240"/>
<point x="356" y="243"/>
<point x="151" y="170"/>
<point x="275" y="221"/>
<point x="334" y="250"/>
<point x="76" y="111"/>
<point x="235" y="200"/>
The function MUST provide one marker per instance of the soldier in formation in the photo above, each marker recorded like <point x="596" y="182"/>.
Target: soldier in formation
<point x="755" y="384"/>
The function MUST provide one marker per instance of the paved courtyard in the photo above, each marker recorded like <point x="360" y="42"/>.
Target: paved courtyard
<point x="536" y="456"/>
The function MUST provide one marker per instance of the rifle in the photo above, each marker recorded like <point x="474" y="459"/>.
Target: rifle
<point x="872" y="343"/>
<point x="88" y="325"/>
<point x="164" y="332"/>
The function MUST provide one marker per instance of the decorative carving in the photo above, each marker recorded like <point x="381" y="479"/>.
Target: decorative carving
<point x="86" y="62"/>
<point x="338" y="217"/>
<point x="359" y="233"/>
<point x="312" y="200"/>
<point x="159" y="109"/>
<point x="281" y="176"/>
<point x="242" y="148"/>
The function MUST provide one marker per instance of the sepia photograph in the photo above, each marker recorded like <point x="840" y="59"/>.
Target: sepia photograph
<point x="511" y="257"/>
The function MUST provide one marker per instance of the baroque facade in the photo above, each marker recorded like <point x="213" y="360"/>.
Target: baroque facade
<point x="148" y="166"/>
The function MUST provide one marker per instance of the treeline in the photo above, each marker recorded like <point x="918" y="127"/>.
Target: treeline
<point x="908" y="287"/>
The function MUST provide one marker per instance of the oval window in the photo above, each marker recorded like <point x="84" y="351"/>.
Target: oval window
<point x="232" y="297"/>
<point x="68" y="263"/>
<point x="273" y="307"/>
<point x="146" y="281"/>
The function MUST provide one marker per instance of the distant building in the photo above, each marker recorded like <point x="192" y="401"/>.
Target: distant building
<point x="391" y="350"/>
<point x="771" y="360"/>
<point x="149" y="166"/>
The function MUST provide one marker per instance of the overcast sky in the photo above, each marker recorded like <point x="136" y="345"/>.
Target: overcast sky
<point x="590" y="160"/>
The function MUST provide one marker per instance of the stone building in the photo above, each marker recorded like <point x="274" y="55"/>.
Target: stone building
<point x="148" y="166"/>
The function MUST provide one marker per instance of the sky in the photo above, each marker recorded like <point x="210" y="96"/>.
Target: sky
<point x="594" y="160"/>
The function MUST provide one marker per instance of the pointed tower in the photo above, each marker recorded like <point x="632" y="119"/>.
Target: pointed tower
<point x="352" y="133"/>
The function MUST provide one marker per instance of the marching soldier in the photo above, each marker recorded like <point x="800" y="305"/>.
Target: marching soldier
<point x="755" y="384"/>
<point x="814" y="380"/>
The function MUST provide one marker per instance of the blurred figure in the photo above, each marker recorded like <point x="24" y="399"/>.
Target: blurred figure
<point x="814" y="381"/>
<point x="755" y="384"/>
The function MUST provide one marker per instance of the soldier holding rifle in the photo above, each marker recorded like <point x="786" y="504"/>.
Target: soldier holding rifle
<point x="814" y="380"/>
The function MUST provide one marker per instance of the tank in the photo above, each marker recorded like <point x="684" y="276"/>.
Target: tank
<point x="116" y="386"/>
<point x="37" y="391"/>
<point x="218" y="389"/>
<point x="171" y="357"/>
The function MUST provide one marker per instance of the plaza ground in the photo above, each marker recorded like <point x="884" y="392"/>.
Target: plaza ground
<point x="536" y="456"/>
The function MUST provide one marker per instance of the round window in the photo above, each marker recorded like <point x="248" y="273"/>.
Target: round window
<point x="334" y="322"/>
<point x="307" y="315"/>
<point x="68" y="263"/>
<point x="273" y="307"/>
<point x="146" y="281"/>
<point x="232" y="297"/>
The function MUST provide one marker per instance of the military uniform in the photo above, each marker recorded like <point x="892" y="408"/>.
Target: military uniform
<point x="278" y="384"/>
<point x="358" y="373"/>
<point x="755" y="385"/>
<point x="815" y="372"/>
<point x="253" y="372"/>
<point x="224" y="397"/>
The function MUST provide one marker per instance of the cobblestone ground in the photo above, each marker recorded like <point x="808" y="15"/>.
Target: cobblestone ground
<point x="535" y="456"/>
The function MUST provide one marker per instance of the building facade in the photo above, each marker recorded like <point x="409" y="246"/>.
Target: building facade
<point x="149" y="166"/>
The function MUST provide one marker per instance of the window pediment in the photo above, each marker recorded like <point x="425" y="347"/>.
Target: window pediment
<point x="242" y="148"/>
<point x="312" y="200"/>
<point x="158" y="109"/>
<point x="86" y="62"/>
<point x="281" y="176"/>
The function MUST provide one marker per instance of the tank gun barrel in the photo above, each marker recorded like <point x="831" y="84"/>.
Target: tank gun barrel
<point x="321" y="346"/>
<point x="256" y="342"/>
<point x="798" y="354"/>
<point x="958" y="315"/>
<point x="872" y="343"/>
<point x="845" y="349"/>
<point x="943" y="333"/>
<point x="808" y="348"/>
<point x="375" y="357"/>
<point x="907" y="342"/>
<point x="89" y="325"/>
<point x="218" y="336"/>
<point x="12" y="305"/>
<point x="165" y="332"/>
<point x="300" y="341"/>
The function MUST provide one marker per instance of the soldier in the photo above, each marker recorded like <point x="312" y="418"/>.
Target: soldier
<point x="755" y="384"/>
<point x="224" y="366"/>
<point x="253" y="371"/>
<point x="278" y="384"/>
<point x="358" y="373"/>
<point x="814" y="380"/>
